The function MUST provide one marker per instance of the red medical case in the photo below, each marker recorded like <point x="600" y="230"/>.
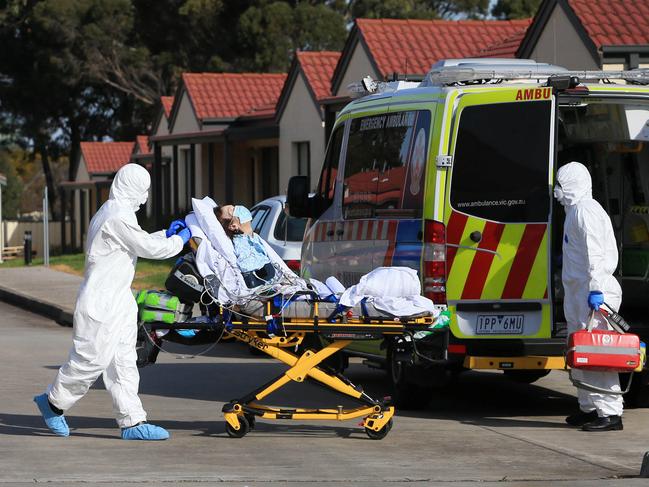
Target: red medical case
<point x="603" y="350"/>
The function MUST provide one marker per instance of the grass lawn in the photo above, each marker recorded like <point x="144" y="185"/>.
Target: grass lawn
<point x="149" y="274"/>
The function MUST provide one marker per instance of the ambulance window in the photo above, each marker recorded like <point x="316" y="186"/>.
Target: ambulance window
<point x="327" y="183"/>
<point x="365" y="157"/>
<point x="384" y="165"/>
<point x="501" y="162"/>
<point x="400" y="189"/>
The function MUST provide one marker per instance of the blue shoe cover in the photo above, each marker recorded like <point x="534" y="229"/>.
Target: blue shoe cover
<point x="56" y="423"/>
<point x="145" y="431"/>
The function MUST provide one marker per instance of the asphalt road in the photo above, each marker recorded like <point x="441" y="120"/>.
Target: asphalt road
<point x="484" y="428"/>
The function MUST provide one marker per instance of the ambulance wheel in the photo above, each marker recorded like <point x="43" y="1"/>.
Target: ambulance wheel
<point x="526" y="376"/>
<point x="406" y="394"/>
<point x="244" y="428"/>
<point x="380" y="434"/>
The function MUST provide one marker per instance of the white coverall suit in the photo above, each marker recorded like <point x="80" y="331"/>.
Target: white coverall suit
<point x="589" y="259"/>
<point x="105" y="317"/>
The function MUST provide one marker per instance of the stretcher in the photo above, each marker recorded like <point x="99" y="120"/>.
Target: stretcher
<point x="278" y="336"/>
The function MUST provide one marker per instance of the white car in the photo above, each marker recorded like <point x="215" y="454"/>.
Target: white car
<point x="284" y="233"/>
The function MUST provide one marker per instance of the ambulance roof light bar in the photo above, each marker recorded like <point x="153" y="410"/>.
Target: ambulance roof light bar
<point x="369" y="86"/>
<point x="472" y="70"/>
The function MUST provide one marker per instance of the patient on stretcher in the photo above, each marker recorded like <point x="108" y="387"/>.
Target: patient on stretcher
<point x="252" y="258"/>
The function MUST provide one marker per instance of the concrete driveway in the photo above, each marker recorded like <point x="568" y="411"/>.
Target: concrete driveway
<point x="482" y="429"/>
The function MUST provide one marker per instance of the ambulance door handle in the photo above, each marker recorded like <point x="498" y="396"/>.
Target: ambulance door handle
<point x="476" y="236"/>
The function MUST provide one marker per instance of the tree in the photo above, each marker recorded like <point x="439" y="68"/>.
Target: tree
<point x="419" y="9"/>
<point x="515" y="9"/>
<point x="11" y="193"/>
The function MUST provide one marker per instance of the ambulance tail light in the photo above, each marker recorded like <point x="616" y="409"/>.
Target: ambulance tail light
<point x="434" y="271"/>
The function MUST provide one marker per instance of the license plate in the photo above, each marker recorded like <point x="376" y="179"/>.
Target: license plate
<point x="500" y="325"/>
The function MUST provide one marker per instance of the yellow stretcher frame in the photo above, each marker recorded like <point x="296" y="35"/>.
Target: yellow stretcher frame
<point x="240" y="414"/>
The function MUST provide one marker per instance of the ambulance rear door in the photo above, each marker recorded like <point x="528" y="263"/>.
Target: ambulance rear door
<point x="497" y="213"/>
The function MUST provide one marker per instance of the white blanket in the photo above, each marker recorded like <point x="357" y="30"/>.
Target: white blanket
<point x="394" y="290"/>
<point x="215" y="257"/>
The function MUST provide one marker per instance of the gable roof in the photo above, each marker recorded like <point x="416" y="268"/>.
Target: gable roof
<point x="316" y="69"/>
<point x="106" y="157"/>
<point x="167" y="102"/>
<point x="614" y="22"/>
<point x="504" y="49"/>
<point x="141" y="145"/>
<point x="413" y="46"/>
<point x="599" y="23"/>
<point x="229" y="95"/>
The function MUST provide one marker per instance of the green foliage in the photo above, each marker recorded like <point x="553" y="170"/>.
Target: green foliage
<point x="515" y="9"/>
<point x="419" y="9"/>
<point x="12" y="192"/>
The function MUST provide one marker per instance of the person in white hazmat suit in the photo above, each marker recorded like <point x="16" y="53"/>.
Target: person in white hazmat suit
<point x="105" y="316"/>
<point x="589" y="259"/>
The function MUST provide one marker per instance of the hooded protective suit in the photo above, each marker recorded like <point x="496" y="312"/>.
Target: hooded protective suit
<point x="589" y="261"/>
<point x="105" y="317"/>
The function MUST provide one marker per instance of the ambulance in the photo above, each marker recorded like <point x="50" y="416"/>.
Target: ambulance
<point x="453" y="176"/>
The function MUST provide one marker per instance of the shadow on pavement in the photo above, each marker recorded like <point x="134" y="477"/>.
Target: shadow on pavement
<point x="32" y="425"/>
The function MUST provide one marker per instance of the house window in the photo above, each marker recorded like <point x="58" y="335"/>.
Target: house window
<point x="303" y="151"/>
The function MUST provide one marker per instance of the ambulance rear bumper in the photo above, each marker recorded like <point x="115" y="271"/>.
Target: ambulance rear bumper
<point x="549" y="347"/>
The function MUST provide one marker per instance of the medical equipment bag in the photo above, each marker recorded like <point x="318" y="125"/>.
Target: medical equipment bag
<point x="185" y="281"/>
<point x="162" y="306"/>
<point x="603" y="350"/>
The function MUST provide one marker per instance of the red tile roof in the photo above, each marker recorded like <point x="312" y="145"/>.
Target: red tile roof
<point x="614" y="22"/>
<point x="142" y="144"/>
<point x="504" y="49"/>
<point x="318" y="67"/>
<point x="167" y="103"/>
<point x="412" y="46"/>
<point x="106" y="157"/>
<point x="228" y="95"/>
<point x="263" y="111"/>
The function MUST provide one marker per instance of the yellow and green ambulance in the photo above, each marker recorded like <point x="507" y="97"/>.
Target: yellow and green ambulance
<point x="453" y="177"/>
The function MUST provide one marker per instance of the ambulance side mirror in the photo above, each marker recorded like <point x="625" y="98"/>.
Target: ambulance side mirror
<point x="297" y="197"/>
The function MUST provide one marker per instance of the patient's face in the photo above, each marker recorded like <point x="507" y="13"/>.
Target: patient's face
<point x="230" y="223"/>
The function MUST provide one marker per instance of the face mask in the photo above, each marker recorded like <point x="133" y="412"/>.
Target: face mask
<point x="242" y="213"/>
<point x="558" y="194"/>
<point x="143" y="198"/>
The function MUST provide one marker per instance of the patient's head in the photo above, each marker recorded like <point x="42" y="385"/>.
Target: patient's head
<point x="234" y="219"/>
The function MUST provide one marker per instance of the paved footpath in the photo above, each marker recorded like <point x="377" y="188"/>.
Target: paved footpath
<point x="41" y="290"/>
<point x="484" y="428"/>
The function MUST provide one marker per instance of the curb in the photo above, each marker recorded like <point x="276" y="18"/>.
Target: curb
<point x="34" y="305"/>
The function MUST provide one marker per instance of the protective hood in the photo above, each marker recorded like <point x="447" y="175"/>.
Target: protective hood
<point x="131" y="186"/>
<point x="576" y="184"/>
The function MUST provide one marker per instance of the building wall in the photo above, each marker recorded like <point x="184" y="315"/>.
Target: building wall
<point x="301" y="122"/>
<point x="560" y="44"/>
<point x="186" y="122"/>
<point x="82" y="171"/>
<point x="14" y="232"/>
<point x="358" y="68"/>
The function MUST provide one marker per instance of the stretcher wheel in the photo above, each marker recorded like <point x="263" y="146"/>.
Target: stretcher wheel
<point x="380" y="434"/>
<point x="244" y="428"/>
<point x="251" y="420"/>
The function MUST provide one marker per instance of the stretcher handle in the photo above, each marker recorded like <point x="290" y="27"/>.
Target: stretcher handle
<point x="589" y="387"/>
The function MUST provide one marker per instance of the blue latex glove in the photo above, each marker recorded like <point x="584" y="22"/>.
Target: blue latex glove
<point x="175" y="227"/>
<point x="56" y="423"/>
<point x="185" y="234"/>
<point x="145" y="432"/>
<point x="595" y="299"/>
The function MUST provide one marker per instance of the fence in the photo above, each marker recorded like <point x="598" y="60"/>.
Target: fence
<point x="14" y="232"/>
